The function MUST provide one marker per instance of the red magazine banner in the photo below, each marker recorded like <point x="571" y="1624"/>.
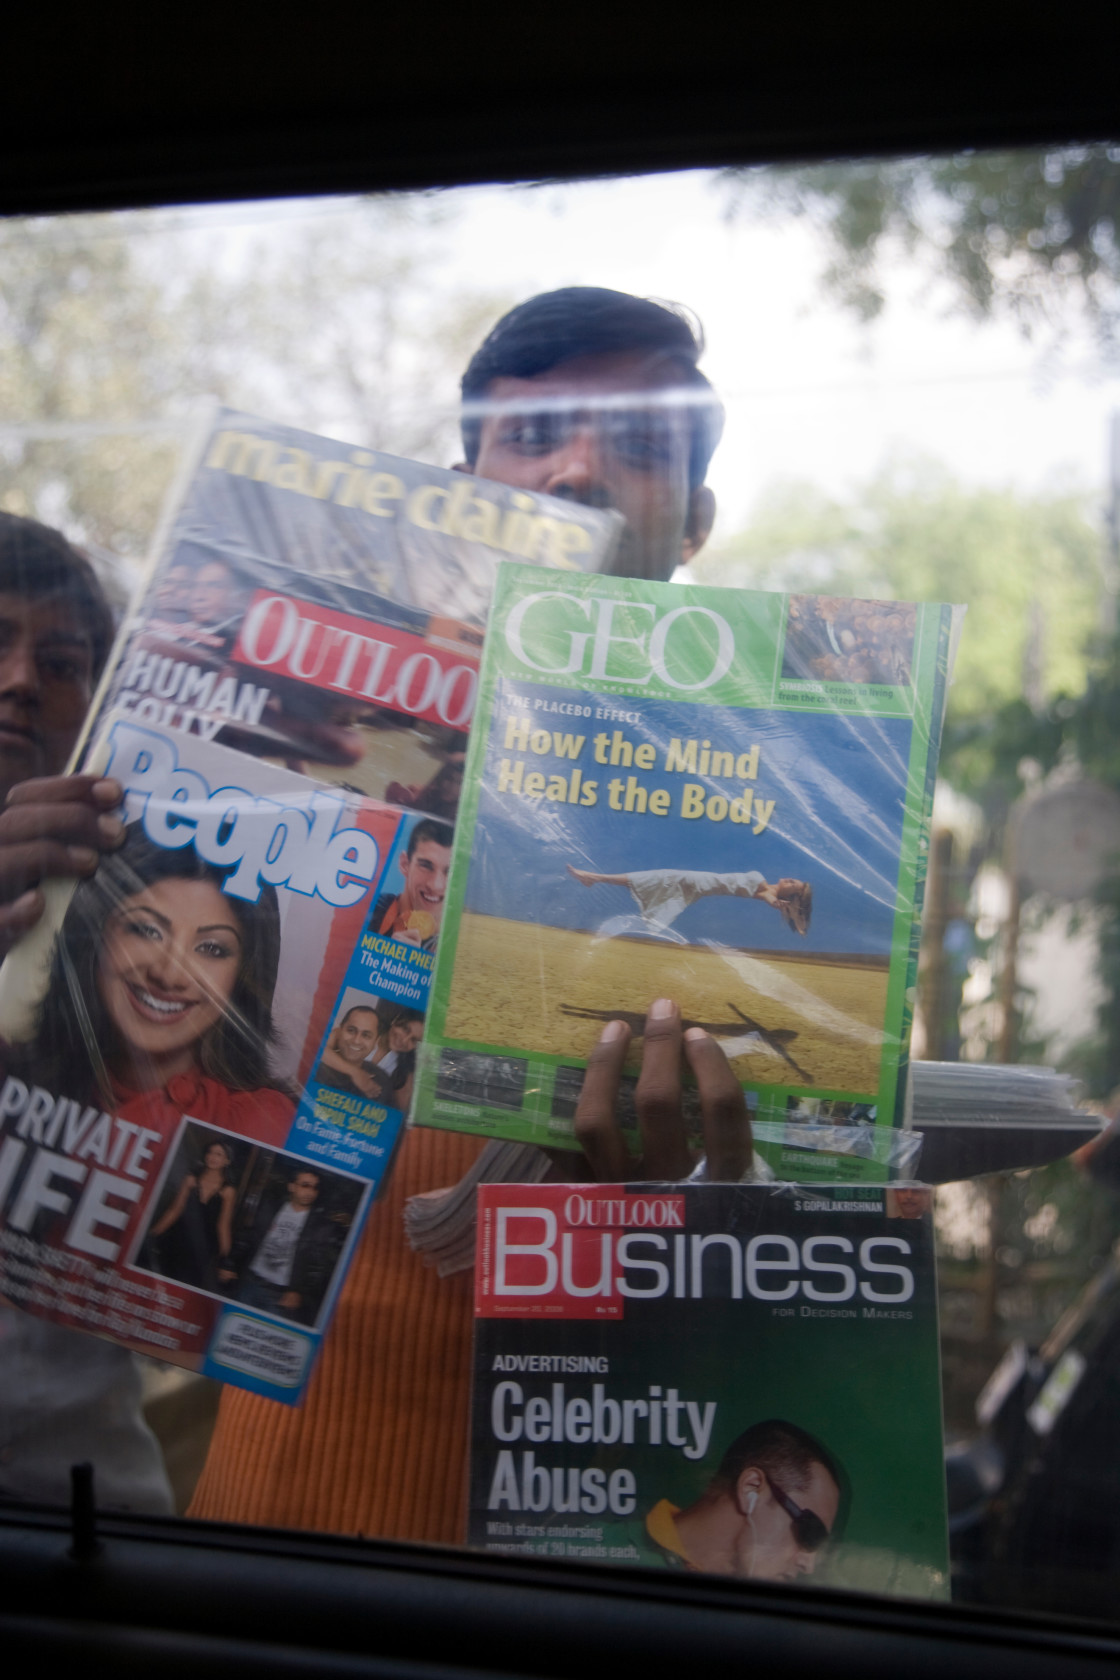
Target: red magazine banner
<point x="331" y="650"/>
<point x="560" y="1251"/>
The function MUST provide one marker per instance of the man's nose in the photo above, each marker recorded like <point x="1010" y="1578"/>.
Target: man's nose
<point x="19" y="671"/>
<point x="576" y="471"/>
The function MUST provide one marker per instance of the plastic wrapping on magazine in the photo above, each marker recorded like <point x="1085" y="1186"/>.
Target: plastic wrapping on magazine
<point x="324" y="606"/>
<point x="207" y="1062"/>
<point x="210" y="1044"/>
<point x="737" y="821"/>
<point x="827" y="1153"/>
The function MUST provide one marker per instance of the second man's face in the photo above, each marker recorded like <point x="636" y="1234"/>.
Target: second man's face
<point x="46" y="680"/>
<point x="425" y="878"/>
<point x="606" y="431"/>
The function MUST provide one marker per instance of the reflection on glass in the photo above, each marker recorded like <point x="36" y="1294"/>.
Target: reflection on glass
<point x="909" y="370"/>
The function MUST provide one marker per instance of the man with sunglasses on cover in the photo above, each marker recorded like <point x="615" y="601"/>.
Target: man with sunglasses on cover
<point x="765" y="1515"/>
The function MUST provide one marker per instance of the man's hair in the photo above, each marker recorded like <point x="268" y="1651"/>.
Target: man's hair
<point x="554" y="327"/>
<point x="39" y="564"/>
<point x="778" y="1449"/>
<point x="358" y="1009"/>
<point x="442" y="833"/>
<point x="307" y="1172"/>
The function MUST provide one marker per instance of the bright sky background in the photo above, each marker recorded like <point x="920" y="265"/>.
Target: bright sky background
<point x="810" y="392"/>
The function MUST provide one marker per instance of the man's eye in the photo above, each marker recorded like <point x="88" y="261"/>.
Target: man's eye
<point x="642" y="442"/>
<point x="536" y="434"/>
<point x="58" y="668"/>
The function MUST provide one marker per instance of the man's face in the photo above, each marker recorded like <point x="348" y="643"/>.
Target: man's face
<point x="46" y="680"/>
<point x="357" y="1036"/>
<point x="769" y="1548"/>
<point x="581" y="437"/>
<point x="425" y="878"/>
<point x="210" y="602"/>
<point x="911" y="1203"/>
<point x="303" y="1190"/>
<point x="175" y="590"/>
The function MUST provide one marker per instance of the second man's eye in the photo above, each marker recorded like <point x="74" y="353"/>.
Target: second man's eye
<point x="533" y="434"/>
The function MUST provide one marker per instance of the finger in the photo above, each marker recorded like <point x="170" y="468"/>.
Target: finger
<point x="25" y="866"/>
<point x="727" y="1123"/>
<point x="597" y="1129"/>
<point x="75" y="824"/>
<point x="102" y="791"/>
<point x="658" y="1097"/>
<point x="567" y="1167"/>
<point x="18" y="918"/>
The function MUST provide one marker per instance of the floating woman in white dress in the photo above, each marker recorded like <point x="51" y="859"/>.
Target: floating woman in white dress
<point x="663" y="894"/>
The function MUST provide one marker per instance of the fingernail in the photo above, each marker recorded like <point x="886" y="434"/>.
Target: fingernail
<point x="661" y="1009"/>
<point x="694" y="1034"/>
<point x="108" y="792"/>
<point x="111" y="829"/>
<point x="612" y="1031"/>
<point x="82" y="857"/>
<point x="25" y="903"/>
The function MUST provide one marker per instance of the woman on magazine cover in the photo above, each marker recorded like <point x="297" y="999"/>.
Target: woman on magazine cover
<point x="196" y="1231"/>
<point x="159" y="1001"/>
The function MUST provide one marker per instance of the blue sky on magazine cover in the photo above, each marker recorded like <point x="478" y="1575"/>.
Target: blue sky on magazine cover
<point x="838" y="786"/>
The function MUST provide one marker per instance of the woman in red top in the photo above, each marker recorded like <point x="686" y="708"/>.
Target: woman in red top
<point x="159" y="1001"/>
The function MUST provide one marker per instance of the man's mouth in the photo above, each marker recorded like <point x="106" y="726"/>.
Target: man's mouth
<point x="434" y="900"/>
<point x="153" y="1008"/>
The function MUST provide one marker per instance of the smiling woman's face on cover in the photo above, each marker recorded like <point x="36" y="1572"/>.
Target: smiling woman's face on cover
<point x="169" y="962"/>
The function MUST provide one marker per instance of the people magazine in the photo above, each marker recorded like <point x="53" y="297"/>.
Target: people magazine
<point x="209" y="1046"/>
<point x="741" y="1379"/>
<point x="718" y="796"/>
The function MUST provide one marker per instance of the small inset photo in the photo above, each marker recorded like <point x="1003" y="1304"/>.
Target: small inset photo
<point x="248" y="1224"/>
<point x="483" y="1081"/>
<point x="371" y="1049"/>
<point x="411" y="908"/>
<point x="833" y="639"/>
<point x="830" y="1111"/>
<point x="908" y="1201"/>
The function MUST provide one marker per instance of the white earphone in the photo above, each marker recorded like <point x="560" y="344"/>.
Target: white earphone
<point x="752" y="1501"/>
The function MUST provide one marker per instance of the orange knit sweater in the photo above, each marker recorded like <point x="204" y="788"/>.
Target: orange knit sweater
<point x="379" y="1445"/>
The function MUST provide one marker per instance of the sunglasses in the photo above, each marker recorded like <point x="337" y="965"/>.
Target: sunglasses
<point x="808" y="1529"/>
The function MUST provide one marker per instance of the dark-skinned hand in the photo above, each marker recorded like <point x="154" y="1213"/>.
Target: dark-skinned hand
<point x="665" y="1153"/>
<point x="51" y="826"/>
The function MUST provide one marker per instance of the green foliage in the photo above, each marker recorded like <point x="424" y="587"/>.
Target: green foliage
<point x="1034" y="232"/>
<point x="1031" y="686"/>
<point x="334" y="320"/>
<point x="1028" y="568"/>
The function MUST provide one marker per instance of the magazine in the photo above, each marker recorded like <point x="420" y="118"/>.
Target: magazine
<point x="208" y="1058"/>
<point x="323" y="607"/>
<point x="735" y="1378"/>
<point x="713" y="795"/>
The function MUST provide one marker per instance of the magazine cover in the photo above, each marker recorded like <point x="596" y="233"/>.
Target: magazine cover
<point x="717" y="796"/>
<point x="323" y="607"/>
<point x="740" y="1379"/>
<point x="208" y="1056"/>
